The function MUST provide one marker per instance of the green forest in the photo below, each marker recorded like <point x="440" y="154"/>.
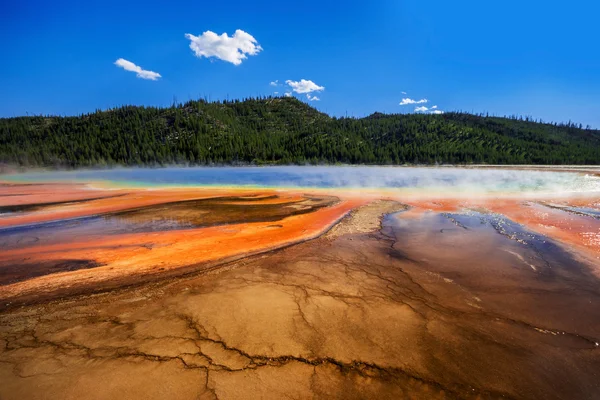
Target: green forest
<point x="279" y="130"/>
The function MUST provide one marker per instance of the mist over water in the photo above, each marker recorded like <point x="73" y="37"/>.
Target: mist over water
<point x="425" y="179"/>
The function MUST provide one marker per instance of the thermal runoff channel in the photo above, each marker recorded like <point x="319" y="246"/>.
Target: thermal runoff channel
<point x="384" y="282"/>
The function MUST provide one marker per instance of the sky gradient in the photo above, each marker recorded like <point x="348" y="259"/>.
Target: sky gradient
<point x="530" y="58"/>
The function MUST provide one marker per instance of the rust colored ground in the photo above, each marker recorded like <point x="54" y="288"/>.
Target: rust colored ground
<point x="404" y="298"/>
<point x="90" y="262"/>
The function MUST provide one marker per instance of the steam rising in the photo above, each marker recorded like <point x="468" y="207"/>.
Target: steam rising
<point x="424" y="180"/>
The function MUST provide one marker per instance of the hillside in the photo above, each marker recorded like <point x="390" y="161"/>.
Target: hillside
<point x="285" y="131"/>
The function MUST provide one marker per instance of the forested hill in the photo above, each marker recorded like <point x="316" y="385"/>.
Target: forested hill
<point x="286" y="131"/>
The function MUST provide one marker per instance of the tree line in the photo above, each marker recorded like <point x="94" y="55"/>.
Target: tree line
<point x="278" y="130"/>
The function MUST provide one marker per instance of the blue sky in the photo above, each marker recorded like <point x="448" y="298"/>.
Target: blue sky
<point x="534" y="58"/>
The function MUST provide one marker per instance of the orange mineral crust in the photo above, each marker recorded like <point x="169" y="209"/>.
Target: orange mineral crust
<point x="65" y="201"/>
<point x="92" y="238"/>
<point x="88" y="258"/>
<point x="408" y="295"/>
<point x="441" y="305"/>
<point x="22" y="194"/>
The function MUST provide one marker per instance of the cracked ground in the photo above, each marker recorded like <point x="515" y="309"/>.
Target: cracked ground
<point x="390" y="303"/>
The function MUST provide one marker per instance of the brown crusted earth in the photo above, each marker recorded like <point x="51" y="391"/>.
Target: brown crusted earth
<point x="428" y="307"/>
<point x="365" y="219"/>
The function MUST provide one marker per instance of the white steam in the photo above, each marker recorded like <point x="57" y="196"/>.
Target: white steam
<point x="423" y="180"/>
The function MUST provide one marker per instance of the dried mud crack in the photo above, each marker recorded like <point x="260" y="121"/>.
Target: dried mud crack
<point x="386" y="304"/>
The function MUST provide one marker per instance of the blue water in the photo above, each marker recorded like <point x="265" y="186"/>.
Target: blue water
<point x="428" y="179"/>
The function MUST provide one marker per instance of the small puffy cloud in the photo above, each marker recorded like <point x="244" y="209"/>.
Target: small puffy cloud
<point x="434" y="107"/>
<point x="232" y="49"/>
<point x="403" y="92"/>
<point x="304" y="86"/>
<point x="312" y="98"/>
<point x="421" y="109"/>
<point x="275" y="83"/>
<point x="436" y="112"/>
<point x="140" y="73"/>
<point x="288" y="94"/>
<point x="407" y="101"/>
<point x="275" y="92"/>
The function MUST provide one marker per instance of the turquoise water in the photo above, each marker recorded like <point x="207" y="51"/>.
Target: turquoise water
<point x="426" y="179"/>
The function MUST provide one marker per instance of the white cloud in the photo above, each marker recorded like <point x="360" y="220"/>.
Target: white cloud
<point x="304" y="86"/>
<point x="436" y="112"/>
<point x="434" y="107"/>
<point x="288" y="94"/>
<point x="411" y="101"/>
<point x="312" y="98"/>
<point x="140" y="73"/>
<point x="274" y="83"/>
<point x="403" y="92"/>
<point x="275" y="92"/>
<point x="232" y="49"/>
<point x="421" y="109"/>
